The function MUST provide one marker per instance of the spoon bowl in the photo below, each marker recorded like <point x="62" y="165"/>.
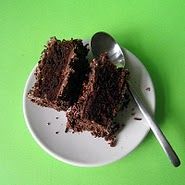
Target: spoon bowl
<point x="102" y="42"/>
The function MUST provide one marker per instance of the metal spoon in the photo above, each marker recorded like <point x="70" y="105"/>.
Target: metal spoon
<point x="103" y="42"/>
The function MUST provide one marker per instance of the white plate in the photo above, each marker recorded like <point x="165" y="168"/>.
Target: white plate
<point x="82" y="149"/>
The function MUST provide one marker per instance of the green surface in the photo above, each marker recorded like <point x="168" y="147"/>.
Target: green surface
<point x="153" y="30"/>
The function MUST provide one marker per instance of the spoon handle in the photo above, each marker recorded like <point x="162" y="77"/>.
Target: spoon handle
<point x="156" y="130"/>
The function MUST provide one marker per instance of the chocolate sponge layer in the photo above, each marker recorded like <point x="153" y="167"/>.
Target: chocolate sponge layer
<point x="100" y="101"/>
<point x="60" y="74"/>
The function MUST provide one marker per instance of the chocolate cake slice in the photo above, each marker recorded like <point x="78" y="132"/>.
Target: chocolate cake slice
<point x="60" y="74"/>
<point x="101" y="98"/>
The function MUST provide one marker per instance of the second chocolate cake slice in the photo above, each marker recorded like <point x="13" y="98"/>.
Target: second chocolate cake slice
<point x="60" y="74"/>
<point x="100" y="101"/>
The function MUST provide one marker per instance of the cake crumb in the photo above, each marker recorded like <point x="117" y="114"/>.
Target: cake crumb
<point x="57" y="132"/>
<point x="48" y="123"/>
<point x="66" y="130"/>
<point x="113" y="143"/>
<point x="136" y="118"/>
<point x="147" y="89"/>
<point x="57" y="117"/>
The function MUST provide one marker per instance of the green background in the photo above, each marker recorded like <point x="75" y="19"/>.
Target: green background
<point x="153" y="30"/>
